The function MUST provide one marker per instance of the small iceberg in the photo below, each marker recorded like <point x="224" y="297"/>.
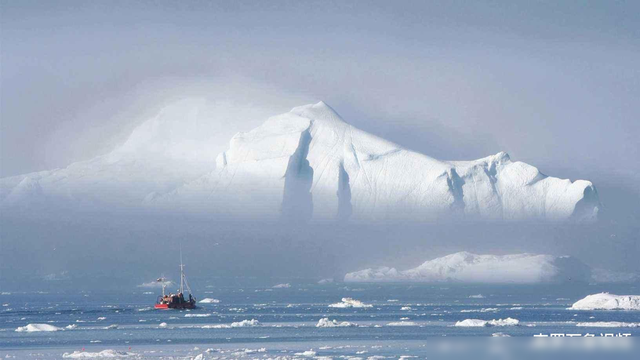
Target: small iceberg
<point x="326" y="323"/>
<point x="209" y="301"/>
<point x="281" y="286"/>
<point x="486" y="323"/>
<point x="109" y="353"/>
<point x="37" y="328"/>
<point x="350" y="303"/>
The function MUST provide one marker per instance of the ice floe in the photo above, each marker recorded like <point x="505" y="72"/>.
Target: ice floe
<point x="37" y="328"/>
<point x="348" y="302"/>
<point x="326" y="323"/>
<point x="608" y="324"/>
<point x="485" y="323"/>
<point x="109" y="353"/>
<point x="209" y="301"/>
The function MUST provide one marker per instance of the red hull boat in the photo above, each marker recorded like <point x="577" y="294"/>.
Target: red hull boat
<point x="176" y="301"/>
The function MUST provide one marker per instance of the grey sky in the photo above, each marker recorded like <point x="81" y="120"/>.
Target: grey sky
<point x="555" y="84"/>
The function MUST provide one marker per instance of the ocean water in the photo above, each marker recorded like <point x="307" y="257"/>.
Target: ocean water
<point x="253" y="321"/>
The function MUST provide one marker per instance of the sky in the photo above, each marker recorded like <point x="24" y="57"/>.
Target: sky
<point x="554" y="84"/>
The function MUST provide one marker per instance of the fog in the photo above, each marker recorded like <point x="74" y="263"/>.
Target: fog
<point x="553" y="84"/>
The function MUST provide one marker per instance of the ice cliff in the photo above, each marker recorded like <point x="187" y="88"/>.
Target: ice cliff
<point x="304" y="165"/>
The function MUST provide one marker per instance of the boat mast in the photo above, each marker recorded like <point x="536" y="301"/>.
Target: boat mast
<point x="181" y="272"/>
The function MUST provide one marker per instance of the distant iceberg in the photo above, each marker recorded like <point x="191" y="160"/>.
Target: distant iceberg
<point x="350" y="303"/>
<point x="109" y="353"/>
<point x="486" y="323"/>
<point x="326" y="323"/>
<point x="606" y="301"/>
<point x="38" y="328"/>
<point x="209" y="301"/>
<point x="472" y="268"/>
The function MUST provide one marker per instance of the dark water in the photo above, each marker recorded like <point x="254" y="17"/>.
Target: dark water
<point x="271" y="322"/>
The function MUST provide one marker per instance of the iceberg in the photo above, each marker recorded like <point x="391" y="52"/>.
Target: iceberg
<point x="37" y="328"/>
<point x="209" y="301"/>
<point x="472" y="268"/>
<point x="109" y="353"/>
<point x="350" y="303"/>
<point x="325" y="323"/>
<point x="486" y="323"/>
<point x="606" y="301"/>
<point x="307" y="164"/>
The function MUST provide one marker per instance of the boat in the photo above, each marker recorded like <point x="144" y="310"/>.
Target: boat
<point x="176" y="301"/>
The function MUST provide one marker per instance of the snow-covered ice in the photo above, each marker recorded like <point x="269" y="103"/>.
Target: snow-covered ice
<point x="473" y="268"/>
<point x="350" y="303"/>
<point x="37" y="328"/>
<point x="306" y="164"/>
<point x="606" y="301"/>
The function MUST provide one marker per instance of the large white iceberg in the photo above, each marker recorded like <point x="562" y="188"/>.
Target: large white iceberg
<point x="306" y="164"/>
<point x="473" y="268"/>
<point x="606" y="301"/>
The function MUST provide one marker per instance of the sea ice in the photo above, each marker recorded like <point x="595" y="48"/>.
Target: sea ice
<point x="325" y="322"/>
<point x="109" y="353"/>
<point x="350" y="303"/>
<point x="209" y="301"/>
<point x="485" y="323"/>
<point x="614" y="324"/>
<point x="281" y="286"/>
<point x="37" y="328"/>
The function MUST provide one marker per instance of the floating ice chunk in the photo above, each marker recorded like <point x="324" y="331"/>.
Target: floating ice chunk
<point x="111" y="327"/>
<point x="325" y="281"/>
<point x="308" y="353"/>
<point x="37" y="328"/>
<point x="163" y="325"/>
<point x="197" y="315"/>
<point x="325" y="323"/>
<point x="608" y="324"/>
<point x="243" y="323"/>
<point x="485" y="323"/>
<point x="350" y="303"/>
<point x="402" y="323"/>
<point x="606" y="301"/>
<point x="472" y="323"/>
<point x="281" y="286"/>
<point x="499" y="334"/>
<point x="479" y="296"/>
<point x="109" y="353"/>
<point x="71" y="327"/>
<point x="209" y="301"/>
